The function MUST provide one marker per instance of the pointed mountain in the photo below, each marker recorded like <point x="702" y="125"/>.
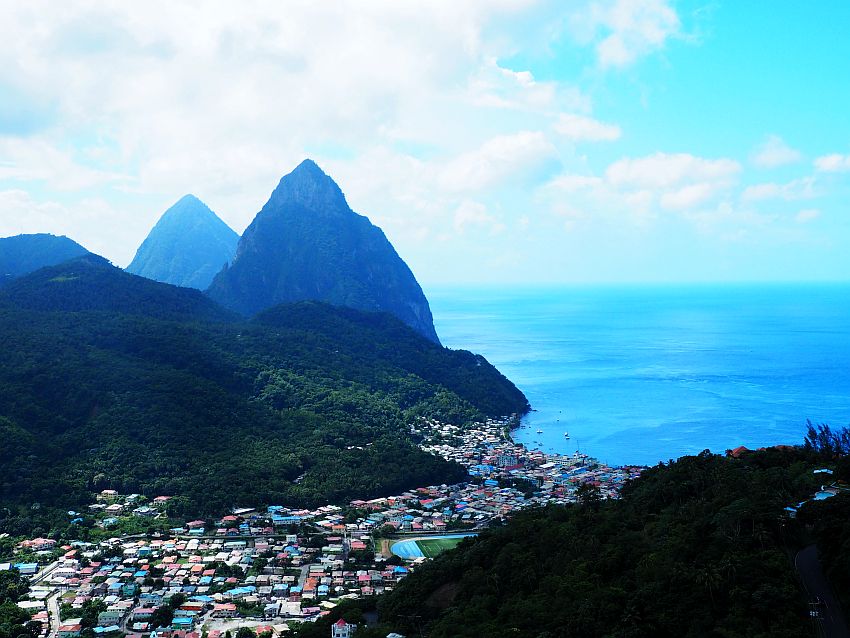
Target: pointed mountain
<point x="91" y="284"/>
<point x="307" y="244"/>
<point x="187" y="247"/>
<point x="24" y="254"/>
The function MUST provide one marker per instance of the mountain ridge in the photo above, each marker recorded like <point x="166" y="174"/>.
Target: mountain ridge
<point x="23" y="254"/>
<point x="171" y="394"/>
<point x="91" y="284"/>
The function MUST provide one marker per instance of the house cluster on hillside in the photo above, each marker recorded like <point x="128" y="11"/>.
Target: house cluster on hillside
<point x="267" y="568"/>
<point x="262" y="580"/>
<point x="492" y="457"/>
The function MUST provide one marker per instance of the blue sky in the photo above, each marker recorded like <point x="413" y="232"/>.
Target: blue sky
<point x="494" y="141"/>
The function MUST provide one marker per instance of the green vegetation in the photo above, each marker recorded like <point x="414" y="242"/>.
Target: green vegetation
<point x="698" y="547"/>
<point x="306" y="243"/>
<point x="433" y="547"/>
<point x="24" y="254"/>
<point x="14" y="621"/>
<point x="151" y="390"/>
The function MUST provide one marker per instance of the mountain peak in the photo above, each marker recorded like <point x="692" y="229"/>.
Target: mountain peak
<point x="307" y="244"/>
<point x="187" y="246"/>
<point x="187" y="206"/>
<point x="309" y="166"/>
<point x="309" y="186"/>
<point x="190" y="199"/>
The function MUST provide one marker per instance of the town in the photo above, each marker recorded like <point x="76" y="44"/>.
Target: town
<point x="261" y="571"/>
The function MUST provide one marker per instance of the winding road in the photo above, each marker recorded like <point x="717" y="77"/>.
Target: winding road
<point x="827" y="617"/>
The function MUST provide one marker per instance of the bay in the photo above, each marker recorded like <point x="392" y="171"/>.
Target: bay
<point x="643" y="374"/>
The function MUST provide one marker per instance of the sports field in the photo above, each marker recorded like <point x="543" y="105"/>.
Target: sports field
<point x="432" y="547"/>
<point x="427" y="547"/>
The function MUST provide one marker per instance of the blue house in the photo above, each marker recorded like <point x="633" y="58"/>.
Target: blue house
<point x="26" y="569"/>
<point x="182" y="622"/>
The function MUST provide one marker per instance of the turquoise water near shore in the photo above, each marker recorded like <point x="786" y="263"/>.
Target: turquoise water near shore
<point x="647" y="374"/>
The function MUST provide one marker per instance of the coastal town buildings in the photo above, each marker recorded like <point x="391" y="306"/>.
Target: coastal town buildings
<point x="271" y="567"/>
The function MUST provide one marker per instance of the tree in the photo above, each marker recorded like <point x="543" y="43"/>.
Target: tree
<point x="162" y="617"/>
<point x="589" y="495"/>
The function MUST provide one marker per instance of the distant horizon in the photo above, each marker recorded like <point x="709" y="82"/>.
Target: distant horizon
<point x="564" y="284"/>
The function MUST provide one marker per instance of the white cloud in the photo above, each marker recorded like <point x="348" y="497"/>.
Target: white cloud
<point x="580" y="128"/>
<point x="93" y="221"/>
<point x="625" y="30"/>
<point x="803" y="188"/>
<point x="834" y="163"/>
<point x="495" y="86"/>
<point x="807" y="215"/>
<point x="500" y="159"/>
<point x="37" y="159"/>
<point x="573" y="183"/>
<point x="223" y="99"/>
<point x="641" y="189"/>
<point x="471" y="214"/>
<point x="689" y="196"/>
<point x="775" y="152"/>
<point x="663" y="170"/>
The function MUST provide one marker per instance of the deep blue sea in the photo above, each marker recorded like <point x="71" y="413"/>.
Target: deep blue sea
<point x="647" y="374"/>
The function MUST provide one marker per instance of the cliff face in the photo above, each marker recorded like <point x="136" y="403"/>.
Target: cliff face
<point x="187" y="247"/>
<point x="307" y="244"/>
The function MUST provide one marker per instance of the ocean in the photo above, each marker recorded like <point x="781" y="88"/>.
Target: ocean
<point x="638" y="375"/>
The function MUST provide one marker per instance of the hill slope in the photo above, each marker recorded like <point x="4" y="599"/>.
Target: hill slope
<point x="187" y="247"/>
<point x="307" y="244"/>
<point x="698" y="547"/>
<point x="219" y="412"/>
<point x="90" y="283"/>
<point x="24" y="254"/>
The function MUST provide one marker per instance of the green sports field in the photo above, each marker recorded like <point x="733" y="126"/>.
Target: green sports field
<point x="431" y="547"/>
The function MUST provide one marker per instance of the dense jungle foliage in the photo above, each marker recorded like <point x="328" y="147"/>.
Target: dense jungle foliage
<point x="14" y="621"/>
<point x="143" y="387"/>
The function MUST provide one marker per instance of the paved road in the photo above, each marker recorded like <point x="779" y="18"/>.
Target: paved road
<point x="830" y="621"/>
<point x="305" y="571"/>
<point x="53" y="609"/>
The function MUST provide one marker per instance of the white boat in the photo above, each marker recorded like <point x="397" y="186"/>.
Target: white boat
<point x="566" y="435"/>
<point x="539" y="431"/>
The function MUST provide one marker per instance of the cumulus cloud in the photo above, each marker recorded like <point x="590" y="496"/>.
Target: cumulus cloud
<point x="93" y="222"/>
<point x="580" y="128"/>
<point x="662" y="170"/>
<point x="572" y="183"/>
<point x="36" y="159"/>
<point x="624" y="30"/>
<point x="834" y="163"/>
<point x="803" y="188"/>
<point x="165" y="98"/>
<point x="775" y="152"/>
<point x="643" y="188"/>
<point x="807" y="215"/>
<point x="496" y="86"/>
<point x="503" y="158"/>
<point x="472" y="214"/>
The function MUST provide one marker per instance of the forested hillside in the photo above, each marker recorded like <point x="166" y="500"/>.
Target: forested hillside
<point x="24" y="254"/>
<point x="108" y="380"/>
<point x="698" y="547"/>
